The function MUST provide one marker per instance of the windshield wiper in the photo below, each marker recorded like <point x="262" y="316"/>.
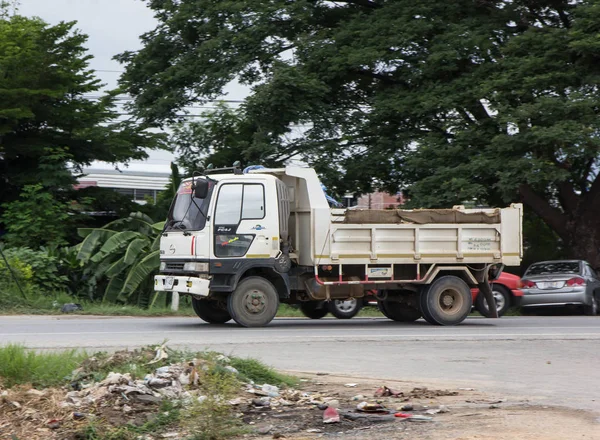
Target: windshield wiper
<point x="178" y="224"/>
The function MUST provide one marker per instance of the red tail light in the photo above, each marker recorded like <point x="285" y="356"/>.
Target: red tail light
<point x="577" y="281"/>
<point x="527" y="284"/>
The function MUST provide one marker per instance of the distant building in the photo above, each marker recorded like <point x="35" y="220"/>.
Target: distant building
<point x="380" y="200"/>
<point x="136" y="184"/>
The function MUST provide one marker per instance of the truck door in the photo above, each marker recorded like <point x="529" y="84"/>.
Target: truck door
<point x="244" y="226"/>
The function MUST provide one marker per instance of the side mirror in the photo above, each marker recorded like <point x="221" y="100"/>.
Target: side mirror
<point x="201" y="189"/>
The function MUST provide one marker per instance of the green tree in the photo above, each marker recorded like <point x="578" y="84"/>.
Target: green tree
<point x="35" y="219"/>
<point x="222" y="137"/>
<point x="53" y="116"/>
<point x="490" y="100"/>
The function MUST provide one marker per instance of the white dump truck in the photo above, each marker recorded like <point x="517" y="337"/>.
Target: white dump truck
<point x="242" y="243"/>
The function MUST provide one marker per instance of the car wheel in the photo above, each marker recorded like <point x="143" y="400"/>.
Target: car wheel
<point x="313" y="309"/>
<point x="502" y="297"/>
<point x="211" y="311"/>
<point x="592" y="309"/>
<point x="447" y="301"/>
<point x="253" y="303"/>
<point x="345" y="309"/>
<point x="399" y="312"/>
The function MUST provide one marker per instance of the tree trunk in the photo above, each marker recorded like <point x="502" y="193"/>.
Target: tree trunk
<point x="577" y="224"/>
<point x="583" y="242"/>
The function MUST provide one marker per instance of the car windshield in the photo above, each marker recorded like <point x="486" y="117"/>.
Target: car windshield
<point x="188" y="212"/>
<point x="554" y="267"/>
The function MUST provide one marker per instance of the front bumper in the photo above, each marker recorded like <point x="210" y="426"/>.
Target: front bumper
<point x="182" y="284"/>
<point x="538" y="297"/>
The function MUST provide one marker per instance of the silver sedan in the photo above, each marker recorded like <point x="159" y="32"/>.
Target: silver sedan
<point x="561" y="283"/>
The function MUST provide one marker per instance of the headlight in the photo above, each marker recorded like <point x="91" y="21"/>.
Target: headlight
<point x="195" y="267"/>
<point x="163" y="266"/>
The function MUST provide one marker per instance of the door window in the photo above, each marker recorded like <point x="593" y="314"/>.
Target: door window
<point x="240" y="202"/>
<point x="253" y="206"/>
<point x="229" y="205"/>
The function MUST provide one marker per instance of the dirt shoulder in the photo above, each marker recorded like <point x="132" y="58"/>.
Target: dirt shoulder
<point x="472" y="415"/>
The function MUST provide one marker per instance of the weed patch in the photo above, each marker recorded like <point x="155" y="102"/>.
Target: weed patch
<point x="252" y="369"/>
<point x="20" y="366"/>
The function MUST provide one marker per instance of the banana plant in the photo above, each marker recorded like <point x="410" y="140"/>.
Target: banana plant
<point x="125" y="254"/>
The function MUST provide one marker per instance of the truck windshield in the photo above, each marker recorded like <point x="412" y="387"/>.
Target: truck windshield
<point x="188" y="212"/>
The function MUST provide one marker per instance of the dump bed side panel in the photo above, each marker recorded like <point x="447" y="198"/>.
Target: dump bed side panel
<point x="406" y="243"/>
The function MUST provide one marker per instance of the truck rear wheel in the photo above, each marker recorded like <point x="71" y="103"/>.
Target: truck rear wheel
<point x="399" y="312"/>
<point x="253" y="303"/>
<point x="447" y="301"/>
<point x="211" y="311"/>
<point x="313" y="309"/>
<point x="345" y="309"/>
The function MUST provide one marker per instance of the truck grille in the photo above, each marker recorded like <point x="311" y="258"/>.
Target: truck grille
<point x="175" y="266"/>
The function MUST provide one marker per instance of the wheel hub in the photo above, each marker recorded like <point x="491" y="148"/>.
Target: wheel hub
<point x="346" y="306"/>
<point x="450" y="301"/>
<point x="447" y="300"/>
<point x="255" y="301"/>
<point x="498" y="299"/>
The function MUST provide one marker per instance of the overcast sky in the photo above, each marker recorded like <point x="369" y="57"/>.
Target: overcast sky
<point x="113" y="26"/>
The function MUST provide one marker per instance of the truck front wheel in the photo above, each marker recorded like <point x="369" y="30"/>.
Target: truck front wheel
<point x="398" y="312"/>
<point x="211" y="311"/>
<point x="253" y="303"/>
<point x="447" y="301"/>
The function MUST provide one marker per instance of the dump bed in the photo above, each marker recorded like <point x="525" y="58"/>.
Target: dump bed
<point x="453" y="236"/>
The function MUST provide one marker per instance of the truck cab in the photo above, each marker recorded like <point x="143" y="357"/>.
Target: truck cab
<point x="220" y="228"/>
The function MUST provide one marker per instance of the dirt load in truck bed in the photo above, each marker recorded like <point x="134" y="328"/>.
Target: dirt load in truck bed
<point x="420" y="216"/>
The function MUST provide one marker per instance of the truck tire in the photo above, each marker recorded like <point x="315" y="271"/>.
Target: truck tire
<point x="313" y="309"/>
<point x="447" y="301"/>
<point x="399" y="312"/>
<point x="345" y="309"/>
<point x="211" y="311"/>
<point x="253" y="303"/>
<point x="502" y="296"/>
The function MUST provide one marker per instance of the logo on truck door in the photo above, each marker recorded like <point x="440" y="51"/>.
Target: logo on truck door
<point x="224" y="229"/>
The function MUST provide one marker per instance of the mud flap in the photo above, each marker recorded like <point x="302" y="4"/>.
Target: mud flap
<point x="485" y="288"/>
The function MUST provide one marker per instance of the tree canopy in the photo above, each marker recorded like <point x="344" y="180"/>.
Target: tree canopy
<point x="490" y="100"/>
<point x="53" y="115"/>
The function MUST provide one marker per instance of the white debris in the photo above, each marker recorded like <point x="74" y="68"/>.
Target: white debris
<point x="161" y="354"/>
<point x="116" y="379"/>
<point x="231" y="369"/>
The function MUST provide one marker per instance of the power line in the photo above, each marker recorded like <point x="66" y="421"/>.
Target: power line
<point x="130" y="99"/>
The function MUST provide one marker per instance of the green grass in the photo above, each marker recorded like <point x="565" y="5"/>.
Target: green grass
<point x="12" y="303"/>
<point x="21" y="366"/>
<point x="252" y="369"/>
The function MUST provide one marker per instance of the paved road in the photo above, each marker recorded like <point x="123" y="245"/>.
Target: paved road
<point x="548" y="359"/>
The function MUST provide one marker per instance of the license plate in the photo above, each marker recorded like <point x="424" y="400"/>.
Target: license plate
<point x="551" y="285"/>
<point x="169" y="281"/>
